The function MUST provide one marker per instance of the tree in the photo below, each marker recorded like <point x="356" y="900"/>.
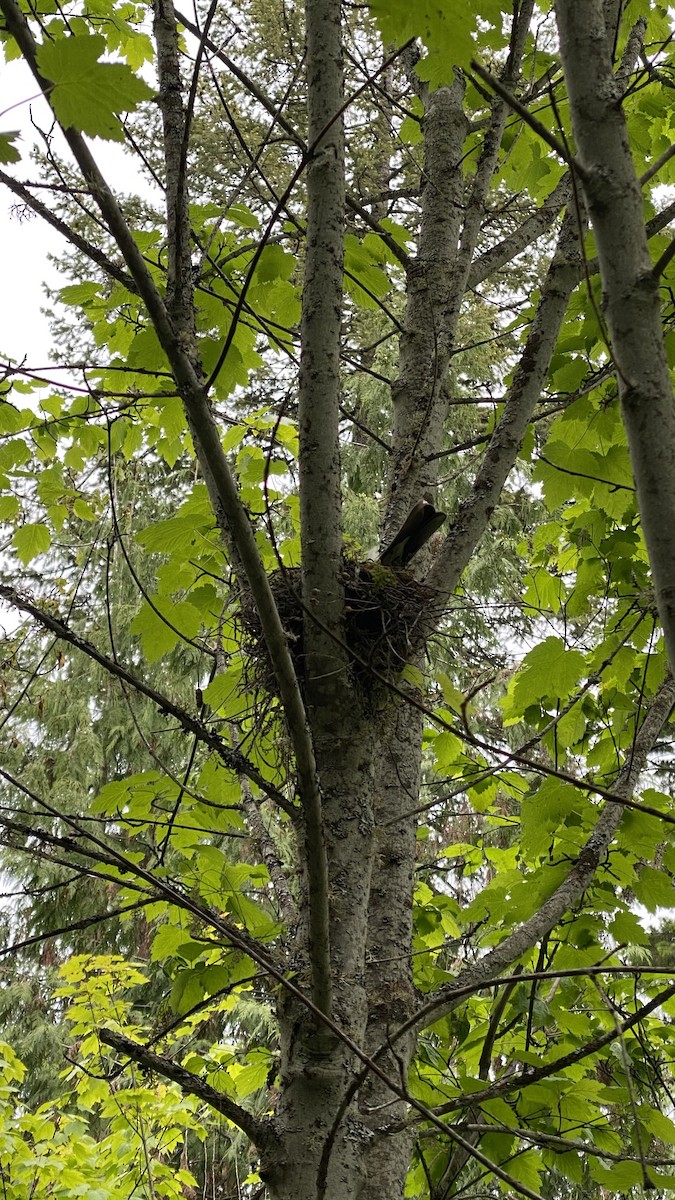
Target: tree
<point x="463" y="997"/>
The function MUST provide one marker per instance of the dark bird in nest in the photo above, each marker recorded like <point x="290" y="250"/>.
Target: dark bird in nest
<point x="422" y="521"/>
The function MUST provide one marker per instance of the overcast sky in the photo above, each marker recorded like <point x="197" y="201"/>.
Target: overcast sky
<point x="26" y="241"/>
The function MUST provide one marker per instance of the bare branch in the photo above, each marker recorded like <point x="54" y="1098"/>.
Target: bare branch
<point x="231" y="758"/>
<point x="92" y="252"/>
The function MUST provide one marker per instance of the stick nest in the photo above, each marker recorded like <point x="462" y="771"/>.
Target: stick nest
<point x="383" y="610"/>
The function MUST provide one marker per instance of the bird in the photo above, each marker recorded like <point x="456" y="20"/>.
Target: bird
<point x="422" y="521"/>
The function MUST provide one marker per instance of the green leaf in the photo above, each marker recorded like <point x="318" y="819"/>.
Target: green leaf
<point x="626" y="928"/>
<point x="10" y="507"/>
<point x="161" y="630"/>
<point x="544" y="811"/>
<point x="657" y="1123"/>
<point x="448" y="748"/>
<point x="31" y="540"/>
<point x="364" y="279"/>
<point x="618" y="1177"/>
<point x="527" y="1168"/>
<point x="654" y="889"/>
<point x="250" y="1078"/>
<point x="8" y="151"/>
<point x="412" y="674"/>
<point x="549" y="672"/>
<point x="447" y="32"/>
<point x="166" y="942"/>
<point x="274" y="263"/>
<point x="12" y="419"/>
<point x="88" y="95"/>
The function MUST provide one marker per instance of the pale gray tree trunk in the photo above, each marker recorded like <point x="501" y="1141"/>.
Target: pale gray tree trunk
<point x="630" y="281"/>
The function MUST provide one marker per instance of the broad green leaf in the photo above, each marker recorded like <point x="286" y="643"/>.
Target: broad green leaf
<point x="654" y="889"/>
<point x="549" y="672"/>
<point x="274" y="263"/>
<point x="447" y="34"/>
<point x="89" y="95"/>
<point x="617" y="1176"/>
<point x="657" y="1123"/>
<point x="8" y="151"/>
<point x="11" y="419"/>
<point x="626" y="928"/>
<point x="10" y="507"/>
<point x="164" y="626"/>
<point x="167" y="941"/>
<point x="544" y="811"/>
<point x="251" y="1077"/>
<point x="30" y="540"/>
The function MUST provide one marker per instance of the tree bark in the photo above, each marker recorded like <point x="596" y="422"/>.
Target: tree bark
<point x="631" y="296"/>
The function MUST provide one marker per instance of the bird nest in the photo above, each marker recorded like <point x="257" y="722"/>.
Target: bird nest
<point x="383" y="611"/>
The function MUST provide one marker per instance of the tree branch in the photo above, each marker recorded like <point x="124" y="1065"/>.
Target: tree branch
<point x="319" y="381"/>
<point x="231" y="758"/>
<point x="581" y="874"/>
<point x="437" y="279"/>
<point x="270" y="856"/>
<point x="505" y="251"/>
<point x="326" y="659"/>
<point x="75" y="926"/>
<point x="534" y="1074"/>
<point x="92" y="252"/>
<point x="522" y="397"/>
<point x="261" y="1133"/>
<point x="525" y="115"/>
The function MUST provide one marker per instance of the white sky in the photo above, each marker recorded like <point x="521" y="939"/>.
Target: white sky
<point x="25" y="241"/>
<point x="24" y="244"/>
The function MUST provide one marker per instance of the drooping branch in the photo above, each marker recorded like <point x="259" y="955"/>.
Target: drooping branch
<point x="260" y="1132"/>
<point x="75" y="926"/>
<point x="630" y="286"/>
<point x="97" y="850"/>
<point x="232" y="759"/>
<point x="73" y="848"/>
